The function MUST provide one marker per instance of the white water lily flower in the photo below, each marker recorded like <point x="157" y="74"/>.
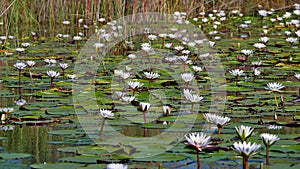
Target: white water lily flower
<point x="146" y="47"/>
<point x="179" y="48"/>
<point x="162" y="35"/>
<point x="198" y="139"/>
<point x="144" y="106"/>
<point x="247" y="52"/>
<point x="183" y="58"/>
<point x="131" y="56"/>
<point x="265" y="31"/>
<point x="248" y="22"/>
<point x="256" y="72"/>
<point x="6" y="109"/>
<point x="151" y="75"/>
<point x="20" y="102"/>
<point x="272" y="20"/>
<point x="287" y="15"/>
<point x="128" y="98"/>
<point x="197" y="68"/>
<point x="244" y="148"/>
<point x="171" y="59"/>
<point x="134" y="85"/>
<point x="101" y="19"/>
<point x="297" y="33"/>
<point x="64" y="65"/>
<point x="297" y="76"/>
<point x="235" y="11"/>
<point x="259" y="45"/>
<point x="6" y="128"/>
<point x="52" y="74"/>
<point x="118" y="72"/>
<point x="244" y="132"/>
<point x="77" y="38"/>
<point x="116" y="166"/>
<point x="171" y="35"/>
<point x="127" y="68"/>
<point x="274" y="87"/>
<point x="166" y="110"/>
<point x="119" y="94"/>
<point x="264" y="39"/>
<point x="263" y="13"/>
<point x="71" y="76"/>
<point x="216" y="119"/>
<point x="202" y="13"/>
<point x="256" y="63"/>
<point x="212" y="44"/>
<point x="66" y="22"/>
<point x="291" y="40"/>
<point x="204" y="20"/>
<point x="186" y="52"/>
<point x="223" y="19"/>
<point x="152" y="37"/>
<point x="269" y="139"/>
<point x="106" y="113"/>
<point x="20" y="65"/>
<point x="287" y="33"/>
<point x="244" y="25"/>
<point x="295" y="21"/>
<point x="20" y="49"/>
<point x="3" y="38"/>
<point x="168" y="45"/>
<point x="25" y="44"/>
<point x="8" y="53"/>
<point x="30" y="63"/>
<point x="50" y="61"/>
<point x="187" y="77"/>
<point x="236" y="72"/>
<point x="193" y="98"/>
<point x="274" y="127"/>
<point x="125" y="75"/>
<point x="98" y="45"/>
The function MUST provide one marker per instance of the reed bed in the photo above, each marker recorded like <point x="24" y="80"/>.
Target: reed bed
<point x="35" y="15"/>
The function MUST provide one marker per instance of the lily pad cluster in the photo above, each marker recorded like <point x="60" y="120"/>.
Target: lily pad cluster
<point x="166" y="100"/>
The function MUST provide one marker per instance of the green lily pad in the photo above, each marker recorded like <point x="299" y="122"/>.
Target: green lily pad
<point x="56" y="166"/>
<point x="9" y="156"/>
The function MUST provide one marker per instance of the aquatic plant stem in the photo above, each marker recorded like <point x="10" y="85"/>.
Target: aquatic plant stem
<point x="192" y="109"/>
<point x="162" y="42"/>
<point x="51" y="82"/>
<point x="144" y="113"/>
<point x="149" y="85"/>
<point x="275" y="97"/>
<point x="267" y="156"/>
<point x="219" y="129"/>
<point x="102" y="126"/>
<point x="198" y="160"/>
<point x="19" y="83"/>
<point x="236" y="80"/>
<point x="63" y="74"/>
<point x="245" y="162"/>
<point x="30" y="74"/>
<point x="145" y="132"/>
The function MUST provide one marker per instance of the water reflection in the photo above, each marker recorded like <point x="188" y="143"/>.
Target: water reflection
<point x="31" y="140"/>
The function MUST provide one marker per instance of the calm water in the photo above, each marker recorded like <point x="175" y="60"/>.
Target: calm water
<point x="31" y="140"/>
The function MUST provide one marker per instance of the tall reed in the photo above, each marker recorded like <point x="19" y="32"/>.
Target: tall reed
<point x="26" y="16"/>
